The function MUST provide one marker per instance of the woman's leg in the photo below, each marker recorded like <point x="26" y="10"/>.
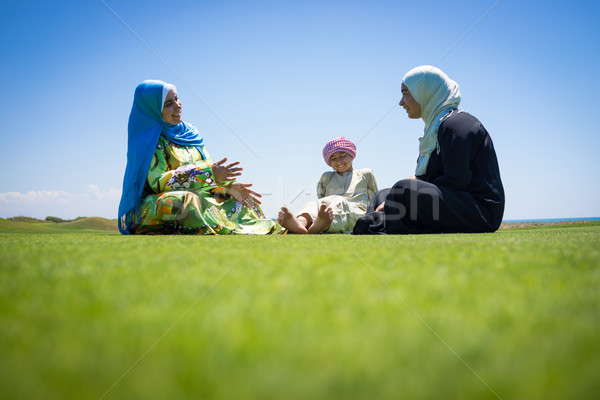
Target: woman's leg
<point x="181" y="212"/>
<point x="188" y="212"/>
<point x="372" y="222"/>
<point x="415" y="206"/>
<point x="411" y="206"/>
<point x="378" y="198"/>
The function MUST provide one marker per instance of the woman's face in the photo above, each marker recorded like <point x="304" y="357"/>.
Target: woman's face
<point x="341" y="161"/>
<point x="408" y="102"/>
<point x="171" y="111"/>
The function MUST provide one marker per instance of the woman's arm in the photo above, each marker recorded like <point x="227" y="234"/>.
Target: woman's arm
<point x="224" y="173"/>
<point x="163" y="178"/>
<point x="242" y="193"/>
<point x="457" y="140"/>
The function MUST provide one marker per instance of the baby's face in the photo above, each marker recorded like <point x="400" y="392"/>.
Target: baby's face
<point x="341" y="161"/>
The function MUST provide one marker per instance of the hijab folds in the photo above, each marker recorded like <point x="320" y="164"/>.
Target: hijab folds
<point x="146" y="125"/>
<point x="437" y="95"/>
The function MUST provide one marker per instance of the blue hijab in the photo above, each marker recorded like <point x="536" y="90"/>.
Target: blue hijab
<point x="146" y="125"/>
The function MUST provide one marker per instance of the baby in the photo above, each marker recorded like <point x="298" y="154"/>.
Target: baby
<point x="343" y="194"/>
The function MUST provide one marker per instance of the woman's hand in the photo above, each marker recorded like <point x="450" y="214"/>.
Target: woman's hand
<point x="224" y="173"/>
<point x="240" y="192"/>
<point x="380" y="207"/>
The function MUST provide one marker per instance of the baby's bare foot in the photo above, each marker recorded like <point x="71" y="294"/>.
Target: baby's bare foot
<point x="324" y="219"/>
<point x="287" y="220"/>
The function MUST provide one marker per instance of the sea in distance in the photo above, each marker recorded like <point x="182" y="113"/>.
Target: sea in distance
<point x="553" y="219"/>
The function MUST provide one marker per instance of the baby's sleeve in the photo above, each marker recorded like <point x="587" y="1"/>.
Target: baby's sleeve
<point x="322" y="185"/>
<point x="371" y="183"/>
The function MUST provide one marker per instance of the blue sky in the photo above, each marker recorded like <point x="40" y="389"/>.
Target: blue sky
<point x="268" y="83"/>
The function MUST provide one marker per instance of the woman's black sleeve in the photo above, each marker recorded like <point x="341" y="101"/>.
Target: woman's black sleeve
<point x="458" y="142"/>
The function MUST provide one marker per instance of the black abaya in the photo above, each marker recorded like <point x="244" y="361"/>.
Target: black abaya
<point x="461" y="190"/>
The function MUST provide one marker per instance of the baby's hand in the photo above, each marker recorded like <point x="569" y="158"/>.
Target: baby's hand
<point x="380" y="207"/>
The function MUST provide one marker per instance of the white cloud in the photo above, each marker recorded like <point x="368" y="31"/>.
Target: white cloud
<point x="32" y="197"/>
<point x="42" y="203"/>
<point x="111" y="194"/>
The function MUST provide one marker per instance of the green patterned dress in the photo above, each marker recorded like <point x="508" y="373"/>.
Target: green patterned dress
<point x="180" y="196"/>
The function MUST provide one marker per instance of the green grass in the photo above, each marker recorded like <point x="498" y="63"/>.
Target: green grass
<point x="512" y="314"/>
<point x="84" y="225"/>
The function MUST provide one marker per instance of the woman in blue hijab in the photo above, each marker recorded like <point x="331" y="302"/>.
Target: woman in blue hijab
<point x="171" y="184"/>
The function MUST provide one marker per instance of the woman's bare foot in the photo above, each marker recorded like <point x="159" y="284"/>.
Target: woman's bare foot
<point x="287" y="220"/>
<point x="324" y="219"/>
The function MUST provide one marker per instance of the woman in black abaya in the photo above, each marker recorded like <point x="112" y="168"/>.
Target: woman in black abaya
<point x="457" y="185"/>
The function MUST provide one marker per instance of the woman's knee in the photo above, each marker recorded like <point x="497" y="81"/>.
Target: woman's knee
<point x="378" y="198"/>
<point x="411" y="198"/>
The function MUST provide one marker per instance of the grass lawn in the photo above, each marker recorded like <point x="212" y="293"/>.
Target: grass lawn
<point x="511" y="315"/>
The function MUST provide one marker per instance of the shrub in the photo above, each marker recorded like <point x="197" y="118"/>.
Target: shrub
<point x="55" y="219"/>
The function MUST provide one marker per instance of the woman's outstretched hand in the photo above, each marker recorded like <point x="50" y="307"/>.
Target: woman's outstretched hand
<point x="223" y="173"/>
<point x="240" y="192"/>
